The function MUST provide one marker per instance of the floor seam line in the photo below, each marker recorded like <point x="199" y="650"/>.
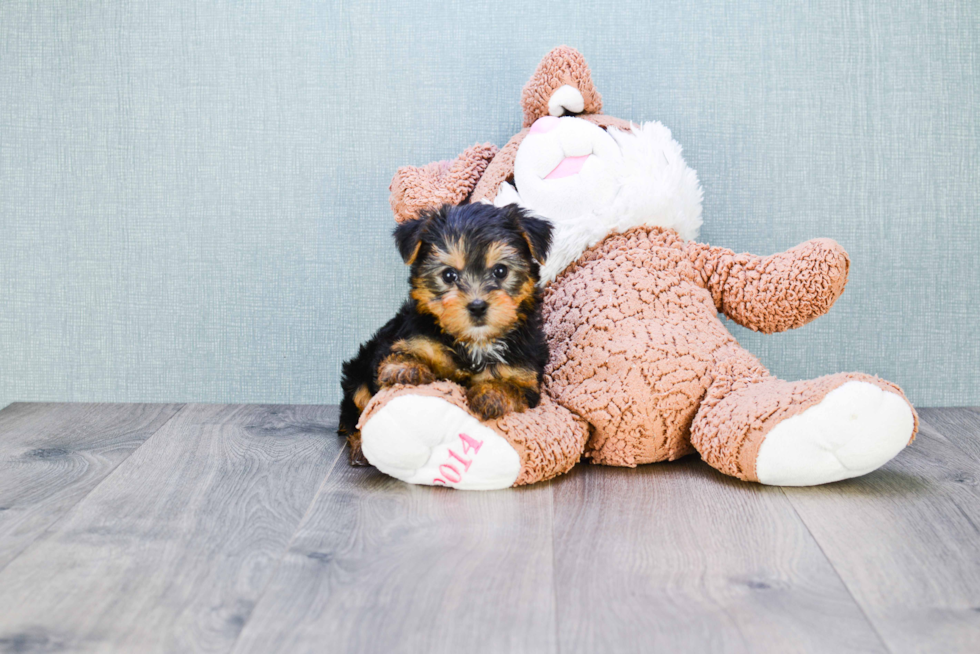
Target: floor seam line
<point x="289" y="544"/>
<point x="48" y="529"/>
<point x="935" y="431"/>
<point x="850" y="593"/>
<point x="554" y="570"/>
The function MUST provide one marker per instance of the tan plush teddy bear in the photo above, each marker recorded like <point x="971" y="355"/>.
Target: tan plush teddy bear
<point x="642" y="368"/>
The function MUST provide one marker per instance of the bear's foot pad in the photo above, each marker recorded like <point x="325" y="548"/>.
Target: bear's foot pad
<point x="427" y="440"/>
<point x="856" y="428"/>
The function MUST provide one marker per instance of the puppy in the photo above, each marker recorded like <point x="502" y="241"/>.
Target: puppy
<point x="472" y="316"/>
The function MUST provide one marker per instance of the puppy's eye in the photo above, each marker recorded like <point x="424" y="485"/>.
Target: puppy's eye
<point x="499" y="271"/>
<point x="449" y="276"/>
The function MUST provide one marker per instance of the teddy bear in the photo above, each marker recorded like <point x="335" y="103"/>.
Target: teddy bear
<point x="641" y="367"/>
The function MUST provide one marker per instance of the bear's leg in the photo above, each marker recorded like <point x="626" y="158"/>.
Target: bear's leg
<point x="426" y="435"/>
<point x="759" y="428"/>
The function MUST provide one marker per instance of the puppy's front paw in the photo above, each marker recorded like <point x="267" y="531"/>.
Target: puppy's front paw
<point x="491" y="401"/>
<point x="404" y="371"/>
<point x="357" y="457"/>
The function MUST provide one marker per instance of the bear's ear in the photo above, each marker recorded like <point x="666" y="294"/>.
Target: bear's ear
<point x="536" y="232"/>
<point x="561" y="85"/>
<point x="417" y="189"/>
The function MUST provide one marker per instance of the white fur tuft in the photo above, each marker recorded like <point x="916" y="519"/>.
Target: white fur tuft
<point x="654" y="186"/>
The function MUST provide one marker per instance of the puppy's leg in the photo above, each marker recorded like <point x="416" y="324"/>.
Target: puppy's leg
<point x="416" y="361"/>
<point x="357" y="457"/>
<point x="491" y="400"/>
<point x="403" y="369"/>
<point x="355" y="381"/>
<point x="502" y="389"/>
<point x="361" y="398"/>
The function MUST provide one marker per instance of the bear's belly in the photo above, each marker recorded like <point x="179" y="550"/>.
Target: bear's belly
<point x="632" y="351"/>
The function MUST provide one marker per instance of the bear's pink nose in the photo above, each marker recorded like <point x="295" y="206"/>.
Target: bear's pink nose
<point x="544" y="124"/>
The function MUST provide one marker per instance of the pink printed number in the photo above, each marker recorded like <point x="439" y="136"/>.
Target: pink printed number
<point x="466" y="462"/>
<point x="470" y="443"/>
<point x="446" y="468"/>
<point x="450" y="473"/>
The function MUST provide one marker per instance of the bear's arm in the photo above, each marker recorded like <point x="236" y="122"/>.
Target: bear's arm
<point x="775" y="293"/>
<point x="417" y="188"/>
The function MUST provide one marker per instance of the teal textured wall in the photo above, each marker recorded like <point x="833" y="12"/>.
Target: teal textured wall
<point x="193" y="196"/>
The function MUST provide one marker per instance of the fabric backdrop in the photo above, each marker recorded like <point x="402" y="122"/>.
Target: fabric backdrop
<point x="193" y="196"/>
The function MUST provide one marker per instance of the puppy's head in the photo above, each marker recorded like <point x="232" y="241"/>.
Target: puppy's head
<point x="475" y="266"/>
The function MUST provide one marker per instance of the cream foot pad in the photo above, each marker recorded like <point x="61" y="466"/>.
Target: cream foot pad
<point x="855" y="429"/>
<point x="426" y="440"/>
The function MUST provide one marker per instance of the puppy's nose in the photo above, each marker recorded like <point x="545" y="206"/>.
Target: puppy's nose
<point x="477" y="308"/>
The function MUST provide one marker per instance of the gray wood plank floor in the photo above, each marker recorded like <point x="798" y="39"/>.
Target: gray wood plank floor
<point x="209" y="528"/>
<point x="681" y="558"/>
<point x="52" y="455"/>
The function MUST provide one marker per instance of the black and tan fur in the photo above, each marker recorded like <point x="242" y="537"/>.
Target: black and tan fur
<point x="472" y="316"/>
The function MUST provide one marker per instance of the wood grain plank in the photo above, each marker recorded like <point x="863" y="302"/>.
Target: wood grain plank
<point x="677" y="557"/>
<point x="53" y="455"/>
<point x="382" y="566"/>
<point x="960" y="426"/>
<point x="906" y="541"/>
<point x="171" y="552"/>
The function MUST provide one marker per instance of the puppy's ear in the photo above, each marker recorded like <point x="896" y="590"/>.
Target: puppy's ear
<point x="536" y="232"/>
<point x="409" y="235"/>
<point x="408" y="238"/>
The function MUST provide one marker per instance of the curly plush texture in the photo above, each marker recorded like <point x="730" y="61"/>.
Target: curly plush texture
<point x="775" y="293"/>
<point x="744" y="403"/>
<point x="562" y="66"/>
<point x="415" y="189"/>
<point x="637" y="348"/>
<point x="549" y="440"/>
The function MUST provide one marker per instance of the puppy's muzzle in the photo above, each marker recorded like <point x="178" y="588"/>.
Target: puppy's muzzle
<point x="477" y="309"/>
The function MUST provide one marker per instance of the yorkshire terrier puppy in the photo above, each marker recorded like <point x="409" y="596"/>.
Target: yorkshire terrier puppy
<point x="472" y="316"/>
